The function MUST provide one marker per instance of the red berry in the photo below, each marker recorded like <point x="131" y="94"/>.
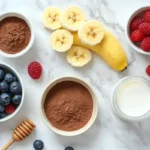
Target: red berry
<point x="145" y="28"/>
<point x="148" y="70"/>
<point x="145" y="44"/>
<point x="147" y="16"/>
<point x="137" y="36"/>
<point x="9" y="109"/>
<point x="135" y="23"/>
<point x="35" y="70"/>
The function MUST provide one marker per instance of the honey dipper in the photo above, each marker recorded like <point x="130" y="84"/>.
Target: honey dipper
<point x="21" y="132"/>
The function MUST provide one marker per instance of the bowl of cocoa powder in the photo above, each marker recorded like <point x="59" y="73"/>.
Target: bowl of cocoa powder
<point x="69" y="106"/>
<point x="16" y="35"/>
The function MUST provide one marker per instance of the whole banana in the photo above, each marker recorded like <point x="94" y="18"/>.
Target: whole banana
<point x="109" y="49"/>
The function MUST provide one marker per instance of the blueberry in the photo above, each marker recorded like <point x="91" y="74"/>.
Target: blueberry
<point x="38" y="145"/>
<point x="2" y="108"/>
<point x="16" y="99"/>
<point x="69" y="148"/>
<point x="5" y="99"/>
<point x="3" y="115"/>
<point x="15" y="87"/>
<point x="4" y="87"/>
<point x="1" y="74"/>
<point x="9" y="78"/>
<point x="11" y="95"/>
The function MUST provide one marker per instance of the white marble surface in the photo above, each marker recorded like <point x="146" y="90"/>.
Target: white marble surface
<point x="108" y="132"/>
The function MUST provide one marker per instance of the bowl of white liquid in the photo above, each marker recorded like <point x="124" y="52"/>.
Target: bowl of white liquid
<point x="131" y="98"/>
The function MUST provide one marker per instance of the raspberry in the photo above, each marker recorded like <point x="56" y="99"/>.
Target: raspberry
<point x="9" y="109"/>
<point x="148" y="70"/>
<point x="137" y="36"/>
<point x="145" y="44"/>
<point x="135" y="23"/>
<point x="145" y="28"/>
<point x="35" y="70"/>
<point x="147" y="16"/>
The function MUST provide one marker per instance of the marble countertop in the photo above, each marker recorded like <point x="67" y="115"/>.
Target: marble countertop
<point x="108" y="132"/>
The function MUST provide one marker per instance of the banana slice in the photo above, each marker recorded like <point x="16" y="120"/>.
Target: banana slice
<point x="91" y="32"/>
<point x="51" y="18"/>
<point x="72" y="18"/>
<point x="78" y="56"/>
<point x="61" y="40"/>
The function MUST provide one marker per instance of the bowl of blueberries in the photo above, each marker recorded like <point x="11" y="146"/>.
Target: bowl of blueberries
<point x="11" y="92"/>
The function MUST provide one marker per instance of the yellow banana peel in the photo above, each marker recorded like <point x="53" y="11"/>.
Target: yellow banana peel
<point x="109" y="49"/>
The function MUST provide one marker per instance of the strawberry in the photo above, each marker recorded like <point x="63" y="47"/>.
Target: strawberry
<point x="148" y="70"/>
<point x="137" y="36"/>
<point x="147" y="16"/>
<point x="9" y="109"/>
<point x="35" y="70"/>
<point x="145" y="28"/>
<point x="135" y="23"/>
<point x="145" y="44"/>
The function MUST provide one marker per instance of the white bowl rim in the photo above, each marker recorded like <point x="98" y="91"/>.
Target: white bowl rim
<point x="23" y="93"/>
<point x="26" y="49"/>
<point x="95" y="106"/>
<point x="136" y="48"/>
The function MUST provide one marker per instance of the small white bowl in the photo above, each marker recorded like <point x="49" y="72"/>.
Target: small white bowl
<point x="115" y="106"/>
<point x="95" y="107"/>
<point x="5" y="66"/>
<point x="15" y="14"/>
<point x="127" y="30"/>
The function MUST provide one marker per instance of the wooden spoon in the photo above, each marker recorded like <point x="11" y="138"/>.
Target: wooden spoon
<point x="21" y="132"/>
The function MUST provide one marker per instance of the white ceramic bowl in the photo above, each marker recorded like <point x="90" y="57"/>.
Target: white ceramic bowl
<point x="95" y="107"/>
<point x="115" y="106"/>
<point x="15" y="14"/>
<point x="7" y="67"/>
<point x="127" y="30"/>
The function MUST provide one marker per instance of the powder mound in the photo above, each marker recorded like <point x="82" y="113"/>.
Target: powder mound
<point x="68" y="106"/>
<point x="14" y="35"/>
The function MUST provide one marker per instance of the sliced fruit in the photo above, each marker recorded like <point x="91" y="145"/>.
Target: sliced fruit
<point x="51" y="18"/>
<point x="72" y="18"/>
<point x="61" y="40"/>
<point x="91" y="32"/>
<point x="109" y="49"/>
<point x="78" y="56"/>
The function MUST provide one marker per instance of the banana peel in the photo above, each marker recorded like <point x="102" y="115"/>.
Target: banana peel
<point x="109" y="49"/>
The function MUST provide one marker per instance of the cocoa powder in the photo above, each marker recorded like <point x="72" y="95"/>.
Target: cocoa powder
<point x="14" y="35"/>
<point x="68" y="106"/>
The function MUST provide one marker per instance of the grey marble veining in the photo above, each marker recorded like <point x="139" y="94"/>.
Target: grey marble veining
<point x="108" y="132"/>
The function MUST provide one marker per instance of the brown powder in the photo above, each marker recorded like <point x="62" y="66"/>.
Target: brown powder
<point x="68" y="106"/>
<point x="14" y="35"/>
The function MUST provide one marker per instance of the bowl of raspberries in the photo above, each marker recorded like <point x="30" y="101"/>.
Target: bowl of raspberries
<point x="138" y="30"/>
<point x="11" y="92"/>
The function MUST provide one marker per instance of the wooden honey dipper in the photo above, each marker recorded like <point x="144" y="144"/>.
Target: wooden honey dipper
<point x="21" y="132"/>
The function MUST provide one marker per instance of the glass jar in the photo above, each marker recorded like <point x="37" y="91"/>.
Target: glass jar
<point x="115" y="106"/>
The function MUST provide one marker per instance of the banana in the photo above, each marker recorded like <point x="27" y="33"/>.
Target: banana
<point x="91" y="32"/>
<point x="109" y="49"/>
<point x="78" y="56"/>
<point x="51" y="18"/>
<point x="61" y="40"/>
<point x="72" y="18"/>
